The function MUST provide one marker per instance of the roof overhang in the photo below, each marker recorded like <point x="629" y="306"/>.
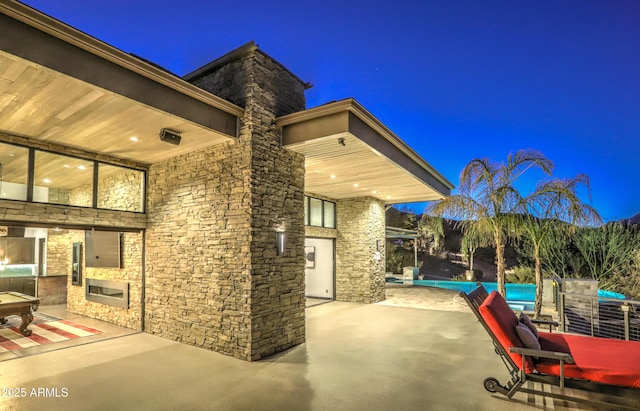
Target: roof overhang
<point x="343" y="140"/>
<point x="395" y="232"/>
<point x="61" y="85"/>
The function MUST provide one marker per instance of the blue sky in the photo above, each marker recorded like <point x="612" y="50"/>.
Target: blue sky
<point x="455" y="79"/>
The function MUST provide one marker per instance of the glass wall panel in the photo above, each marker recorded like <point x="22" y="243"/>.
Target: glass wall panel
<point x="319" y="213"/>
<point x="329" y="214"/>
<point x="315" y="212"/>
<point x="62" y="179"/>
<point x="120" y="188"/>
<point x="14" y="171"/>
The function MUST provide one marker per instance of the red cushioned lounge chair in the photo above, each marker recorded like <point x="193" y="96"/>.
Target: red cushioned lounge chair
<point x="602" y="365"/>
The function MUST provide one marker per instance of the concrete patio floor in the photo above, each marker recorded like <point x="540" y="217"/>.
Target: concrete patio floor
<point x="357" y="357"/>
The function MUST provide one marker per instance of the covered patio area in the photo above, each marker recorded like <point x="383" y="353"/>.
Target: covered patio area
<point x="357" y="357"/>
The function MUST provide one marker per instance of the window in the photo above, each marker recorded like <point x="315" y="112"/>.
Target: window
<point x="315" y="212"/>
<point x="319" y="213"/>
<point x="67" y="180"/>
<point x="329" y="214"/>
<point x="62" y="179"/>
<point x="14" y="172"/>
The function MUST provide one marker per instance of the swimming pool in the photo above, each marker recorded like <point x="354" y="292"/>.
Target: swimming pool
<point x="519" y="296"/>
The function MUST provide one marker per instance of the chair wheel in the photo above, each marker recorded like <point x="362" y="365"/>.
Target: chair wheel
<point x="490" y="384"/>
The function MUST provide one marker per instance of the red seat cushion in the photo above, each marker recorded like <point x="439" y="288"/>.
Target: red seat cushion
<point x="603" y="360"/>
<point x="502" y="321"/>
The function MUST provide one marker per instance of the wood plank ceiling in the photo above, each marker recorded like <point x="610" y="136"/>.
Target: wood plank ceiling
<point x="354" y="169"/>
<point x="349" y="153"/>
<point x="40" y="103"/>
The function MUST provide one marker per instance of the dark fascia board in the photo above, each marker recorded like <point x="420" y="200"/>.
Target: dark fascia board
<point x="349" y="116"/>
<point x="364" y="132"/>
<point x="34" y="37"/>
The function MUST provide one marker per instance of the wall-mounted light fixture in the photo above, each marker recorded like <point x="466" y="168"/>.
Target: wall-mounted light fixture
<point x="169" y="136"/>
<point x="281" y="236"/>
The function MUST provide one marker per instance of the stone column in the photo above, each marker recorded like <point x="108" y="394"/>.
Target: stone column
<point x="214" y="278"/>
<point x="361" y="233"/>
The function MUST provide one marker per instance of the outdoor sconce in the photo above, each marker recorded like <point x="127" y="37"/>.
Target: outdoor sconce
<point x="170" y="136"/>
<point x="281" y="236"/>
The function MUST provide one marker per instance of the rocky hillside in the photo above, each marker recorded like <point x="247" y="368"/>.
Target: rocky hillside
<point x="633" y="220"/>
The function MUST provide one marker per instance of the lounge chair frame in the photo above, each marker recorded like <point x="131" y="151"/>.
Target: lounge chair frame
<point x="519" y="377"/>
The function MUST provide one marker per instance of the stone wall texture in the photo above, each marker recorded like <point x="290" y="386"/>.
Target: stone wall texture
<point x="130" y="272"/>
<point x="121" y="191"/>
<point x="361" y="227"/>
<point x="320" y="232"/>
<point x="59" y="244"/>
<point x="53" y="214"/>
<point x="214" y="279"/>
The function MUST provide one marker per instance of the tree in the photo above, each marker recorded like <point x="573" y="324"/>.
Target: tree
<point x="609" y="251"/>
<point x="545" y="210"/>
<point x="431" y="233"/>
<point x="487" y="199"/>
<point x="471" y="241"/>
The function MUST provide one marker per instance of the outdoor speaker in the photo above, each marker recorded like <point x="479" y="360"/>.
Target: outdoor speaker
<point x="169" y="136"/>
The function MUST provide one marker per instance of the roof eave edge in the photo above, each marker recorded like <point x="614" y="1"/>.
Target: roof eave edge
<point x="70" y="35"/>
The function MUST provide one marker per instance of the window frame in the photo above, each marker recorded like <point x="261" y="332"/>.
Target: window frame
<point x="31" y="174"/>
<point x="307" y="214"/>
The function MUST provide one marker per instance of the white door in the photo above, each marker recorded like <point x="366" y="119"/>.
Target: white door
<point x="319" y="258"/>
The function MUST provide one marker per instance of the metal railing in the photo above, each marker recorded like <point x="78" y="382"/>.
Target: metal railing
<point x="599" y="317"/>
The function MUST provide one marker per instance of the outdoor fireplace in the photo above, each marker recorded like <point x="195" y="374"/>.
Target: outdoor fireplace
<point x="107" y="292"/>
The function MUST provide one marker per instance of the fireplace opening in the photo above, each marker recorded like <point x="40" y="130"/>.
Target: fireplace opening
<point x="107" y="292"/>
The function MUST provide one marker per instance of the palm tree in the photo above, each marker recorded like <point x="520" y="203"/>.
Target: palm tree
<point x="553" y="209"/>
<point x="487" y="199"/>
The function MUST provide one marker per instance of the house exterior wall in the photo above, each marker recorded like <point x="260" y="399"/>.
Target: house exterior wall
<point x="131" y="273"/>
<point x="214" y="279"/>
<point x="52" y="214"/>
<point x="361" y="229"/>
<point x="59" y="252"/>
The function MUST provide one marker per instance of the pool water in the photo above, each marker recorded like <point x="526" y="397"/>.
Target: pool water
<point x="520" y="297"/>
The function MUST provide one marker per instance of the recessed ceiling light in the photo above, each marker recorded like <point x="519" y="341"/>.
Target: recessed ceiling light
<point x="388" y="196"/>
<point x="333" y="176"/>
<point x="82" y="167"/>
<point x="355" y="185"/>
<point x="46" y="181"/>
<point x="134" y="138"/>
<point x="374" y="192"/>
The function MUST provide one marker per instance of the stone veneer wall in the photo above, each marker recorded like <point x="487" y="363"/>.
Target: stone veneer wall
<point x="59" y="244"/>
<point x="122" y="191"/>
<point x="131" y="272"/>
<point x="59" y="195"/>
<point x="54" y="214"/>
<point x="213" y="277"/>
<point x="359" y="276"/>
<point x="320" y="232"/>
